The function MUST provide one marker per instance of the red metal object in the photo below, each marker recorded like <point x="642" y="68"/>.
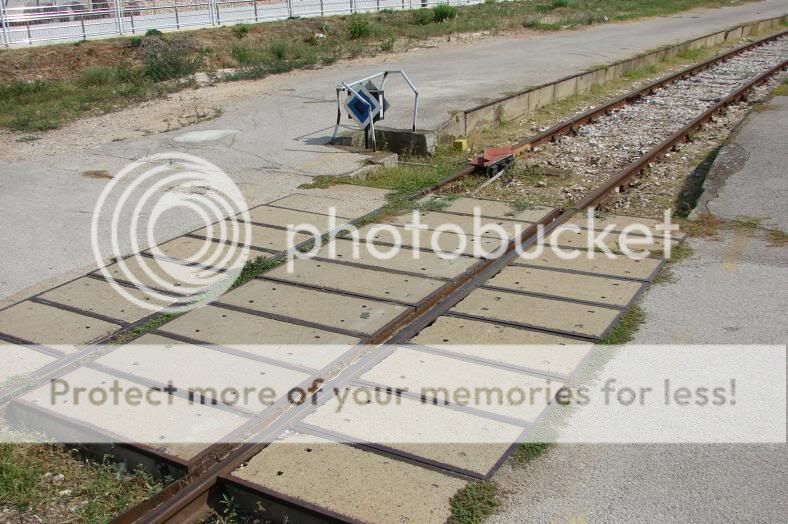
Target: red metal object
<point x="493" y="160"/>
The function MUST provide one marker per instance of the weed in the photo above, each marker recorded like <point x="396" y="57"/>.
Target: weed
<point x="97" y="76"/>
<point x="747" y="223"/>
<point x="624" y="330"/>
<point x="252" y="268"/>
<point x="778" y="238"/>
<point x="422" y="17"/>
<point x="279" y="50"/>
<point x="240" y="30"/>
<point x="387" y="44"/>
<point x="153" y="32"/>
<point x="527" y="451"/>
<point x="443" y="12"/>
<point x="168" y="59"/>
<point x="474" y="503"/>
<point x="358" y="27"/>
<point x="704" y="225"/>
<point x="521" y="204"/>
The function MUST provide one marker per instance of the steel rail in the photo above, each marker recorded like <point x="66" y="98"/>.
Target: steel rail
<point x="187" y="498"/>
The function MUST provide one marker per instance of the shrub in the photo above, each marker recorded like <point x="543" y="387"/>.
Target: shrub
<point x="358" y="28"/>
<point x="422" y="17"/>
<point x="387" y="44"/>
<point x="443" y="12"/>
<point x="166" y="60"/>
<point x="96" y="76"/>
<point x="135" y="42"/>
<point x="240" y="30"/>
<point x="279" y="50"/>
<point x="153" y="32"/>
<point x="22" y="88"/>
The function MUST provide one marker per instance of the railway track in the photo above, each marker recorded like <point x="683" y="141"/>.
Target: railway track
<point x="394" y="325"/>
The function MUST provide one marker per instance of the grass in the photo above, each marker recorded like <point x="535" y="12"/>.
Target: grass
<point x="528" y="451"/>
<point x="49" y="482"/>
<point x="45" y="87"/>
<point x="777" y="238"/>
<point x="782" y="89"/>
<point x="624" y="330"/>
<point x="474" y="503"/>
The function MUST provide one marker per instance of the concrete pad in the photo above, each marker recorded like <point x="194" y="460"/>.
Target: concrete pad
<point x="568" y="317"/>
<point x="621" y="266"/>
<point x="486" y="388"/>
<point x="579" y="240"/>
<point x="458" y="439"/>
<point x="322" y="205"/>
<point x="427" y="264"/>
<point x="358" y="485"/>
<point x="621" y="222"/>
<point x="353" y="314"/>
<point x="161" y="274"/>
<point x="42" y="324"/>
<point x="433" y="219"/>
<point x="172" y="425"/>
<point x="610" y="291"/>
<point x="377" y="284"/>
<point x="233" y="380"/>
<point x="18" y="360"/>
<point x="197" y="250"/>
<point x="96" y="296"/>
<point x="505" y="345"/>
<point x="496" y="209"/>
<point x="444" y="242"/>
<point x="208" y="135"/>
<point x="263" y="237"/>
<point x="291" y="343"/>
<point x="274" y="216"/>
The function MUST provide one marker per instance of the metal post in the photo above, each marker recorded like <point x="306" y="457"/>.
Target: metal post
<point x="119" y="15"/>
<point x="131" y="17"/>
<point x="30" y="38"/>
<point x="289" y="8"/>
<point x="321" y="8"/>
<point x="177" y="19"/>
<point x="82" y="23"/>
<point x="255" y="9"/>
<point x="218" y="18"/>
<point x="4" y="23"/>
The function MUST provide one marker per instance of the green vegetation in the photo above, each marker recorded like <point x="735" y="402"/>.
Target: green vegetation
<point x="124" y="71"/>
<point x="474" y="503"/>
<point x="49" y="482"/>
<point x="624" y="330"/>
<point x="528" y="451"/>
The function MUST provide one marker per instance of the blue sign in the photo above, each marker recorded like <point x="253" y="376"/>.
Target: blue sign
<point x="362" y="107"/>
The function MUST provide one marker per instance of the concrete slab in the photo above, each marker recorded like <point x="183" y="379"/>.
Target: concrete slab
<point x="42" y="324"/>
<point x="497" y="209"/>
<point x="16" y="361"/>
<point x="613" y="292"/>
<point x="291" y="343"/>
<point x="433" y="219"/>
<point x="621" y="266"/>
<point x="376" y="284"/>
<point x="621" y="222"/>
<point x="489" y="389"/>
<point x="427" y="264"/>
<point x="96" y="296"/>
<point x="353" y="314"/>
<point x="445" y="242"/>
<point x="195" y="250"/>
<point x="567" y="317"/>
<point x="161" y="274"/>
<point x="235" y="381"/>
<point x="274" y="216"/>
<point x="323" y="204"/>
<point x="579" y="240"/>
<point x="263" y="237"/>
<point x="457" y="439"/>
<point x="505" y="345"/>
<point x="172" y="425"/>
<point x="358" y="485"/>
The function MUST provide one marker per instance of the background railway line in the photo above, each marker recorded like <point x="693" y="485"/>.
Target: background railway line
<point x="359" y="304"/>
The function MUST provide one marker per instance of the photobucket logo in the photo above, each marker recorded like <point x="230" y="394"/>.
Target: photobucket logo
<point x="161" y="191"/>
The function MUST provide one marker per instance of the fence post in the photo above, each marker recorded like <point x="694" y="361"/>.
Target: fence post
<point x="289" y="8"/>
<point x="131" y="18"/>
<point x="118" y="16"/>
<point x="321" y="8"/>
<point x="218" y="17"/>
<point x="255" y="9"/>
<point x="177" y="19"/>
<point x="82" y="23"/>
<point x="4" y="24"/>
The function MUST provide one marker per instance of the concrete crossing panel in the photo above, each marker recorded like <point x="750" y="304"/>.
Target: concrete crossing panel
<point x="496" y="209"/>
<point x="621" y="266"/>
<point x="609" y="291"/>
<point x="197" y="250"/>
<point x="17" y="361"/>
<point x="488" y="227"/>
<point x="348" y="207"/>
<point x="349" y="313"/>
<point x="560" y="315"/>
<point x="429" y="240"/>
<point x="357" y="485"/>
<point x="580" y="240"/>
<point x="377" y="284"/>
<point x="163" y="274"/>
<point x="262" y="237"/>
<point x="287" y="218"/>
<point x="42" y="324"/>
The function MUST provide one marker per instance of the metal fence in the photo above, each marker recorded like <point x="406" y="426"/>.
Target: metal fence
<point x="71" y="20"/>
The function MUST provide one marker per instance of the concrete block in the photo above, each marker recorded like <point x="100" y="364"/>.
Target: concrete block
<point x="569" y="238"/>
<point x="406" y="142"/>
<point x="356" y="485"/>
<point x="567" y="317"/>
<point x="193" y="250"/>
<point x="445" y="242"/>
<point x="565" y="89"/>
<point x="230" y="379"/>
<point x="367" y="282"/>
<point x="286" y="218"/>
<point x="97" y="296"/>
<point x="451" y="437"/>
<point x="433" y="219"/>
<point x="136" y="414"/>
<point x="353" y="314"/>
<point x="613" y="292"/>
<point x="505" y="345"/>
<point x="620" y="266"/>
<point x="482" y="116"/>
<point x="51" y="326"/>
<point x="488" y="389"/>
<point x="540" y="97"/>
<point x="291" y="343"/>
<point x="323" y="204"/>
<point x="263" y="237"/>
<point x="17" y="361"/>
<point x="171" y="276"/>
<point x="496" y="209"/>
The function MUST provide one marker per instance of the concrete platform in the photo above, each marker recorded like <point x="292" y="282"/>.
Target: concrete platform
<point x="170" y="424"/>
<point x="17" y="361"/>
<point x="609" y="291"/>
<point x="367" y="282"/>
<point x="450" y="437"/>
<point x="504" y="345"/>
<point x="163" y="274"/>
<point x="427" y="264"/>
<point x="511" y="394"/>
<point x="559" y="315"/>
<point x="232" y="380"/>
<point x="291" y="343"/>
<point x="287" y="218"/>
<point x="496" y="209"/>
<point x="434" y="219"/>
<point x="341" y="312"/>
<point x="445" y="242"/>
<point x="263" y="237"/>
<point x="96" y="296"/>
<point x="42" y="324"/>
<point x="353" y="484"/>
<point x="621" y="266"/>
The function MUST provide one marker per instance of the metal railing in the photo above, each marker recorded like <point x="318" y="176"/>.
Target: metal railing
<point x="73" y="20"/>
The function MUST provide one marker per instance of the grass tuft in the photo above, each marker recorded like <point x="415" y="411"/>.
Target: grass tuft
<point x="624" y="330"/>
<point x="474" y="503"/>
<point x="528" y="451"/>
